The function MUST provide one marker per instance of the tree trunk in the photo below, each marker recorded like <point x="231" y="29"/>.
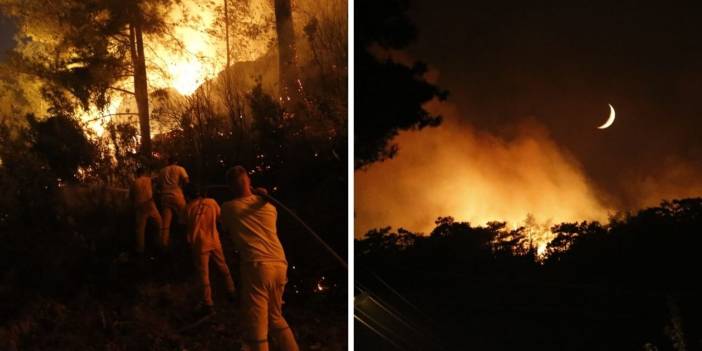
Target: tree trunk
<point x="286" y="50"/>
<point x="141" y="94"/>
<point x="226" y="28"/>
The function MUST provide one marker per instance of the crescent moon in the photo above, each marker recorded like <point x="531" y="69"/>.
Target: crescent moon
<point x="610" y="120"/>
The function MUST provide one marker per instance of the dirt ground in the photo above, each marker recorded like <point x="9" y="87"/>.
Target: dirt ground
<point x="141" y="307"/>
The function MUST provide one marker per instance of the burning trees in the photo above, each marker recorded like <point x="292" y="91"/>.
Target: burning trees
<point x="286" y="49"/>
<point x="84" y="50"/>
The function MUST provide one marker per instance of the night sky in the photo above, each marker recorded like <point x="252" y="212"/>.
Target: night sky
<point x="562" y="64"/>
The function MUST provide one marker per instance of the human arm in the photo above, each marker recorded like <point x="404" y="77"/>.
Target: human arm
<point x="184" y="178"/>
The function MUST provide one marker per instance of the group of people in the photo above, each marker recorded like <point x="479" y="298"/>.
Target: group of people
<point x="249" y="219"/>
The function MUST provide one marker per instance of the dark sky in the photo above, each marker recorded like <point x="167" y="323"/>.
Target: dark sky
<point x="562" y="64"/>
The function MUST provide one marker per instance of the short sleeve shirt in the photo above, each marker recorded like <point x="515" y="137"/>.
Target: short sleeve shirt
<point x="141" y="189"/>
<point x="251" y="221"/>
<point x="171" y="178"/>
<point x="201" y="217"/>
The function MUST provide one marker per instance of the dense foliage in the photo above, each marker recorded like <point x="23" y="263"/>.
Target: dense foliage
<point x="389" y="94"/>
<point x="626" y="285"/>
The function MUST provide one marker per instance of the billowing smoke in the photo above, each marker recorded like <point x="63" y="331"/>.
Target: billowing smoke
<point x="457" y="170"/>
<point x="527" y="179"/>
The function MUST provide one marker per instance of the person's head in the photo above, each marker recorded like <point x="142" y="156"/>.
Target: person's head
<point x="141" y="171"/>
<point x="192" y="191"/>
<point x="172" y="160"/>
<point x="238" y="180"/>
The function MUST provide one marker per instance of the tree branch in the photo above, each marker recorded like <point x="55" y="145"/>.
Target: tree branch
<point x="111" y="115"/>
<point x="121" y="90"/>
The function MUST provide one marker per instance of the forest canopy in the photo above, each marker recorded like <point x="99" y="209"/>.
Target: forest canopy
<point x="628" y="282"/>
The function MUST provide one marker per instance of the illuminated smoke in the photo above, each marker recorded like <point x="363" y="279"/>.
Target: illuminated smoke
<point x="528" y="180"/>
<point x="457" y="170"/>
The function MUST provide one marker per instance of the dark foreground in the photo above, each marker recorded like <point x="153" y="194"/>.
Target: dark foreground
<point x="137" y="313"/>
<point x="78" y="288"/>
<point x="629" y="285"/>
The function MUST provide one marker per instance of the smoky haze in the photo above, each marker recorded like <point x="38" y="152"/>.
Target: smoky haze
<point x="458" y="170"/>
<point x="478" y="176"/>
<point x="529" y="84"/>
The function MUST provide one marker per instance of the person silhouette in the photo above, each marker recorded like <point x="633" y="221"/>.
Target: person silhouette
<point x="251" y="222"/>
<point x="141" y="193"/>
<point x="171" y="179"/>
<point x="201" y="215"/>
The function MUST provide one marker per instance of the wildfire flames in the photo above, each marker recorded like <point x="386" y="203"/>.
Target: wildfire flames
<point x="455" y="170"/>
<point x="194" y="52"/>
<point x="203" y="52"/>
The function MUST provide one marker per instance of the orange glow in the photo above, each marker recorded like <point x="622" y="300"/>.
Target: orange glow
<point x="203" y="52"/>
<point x="97" y="120"/>
<point x="193" y="54"/>
<point x="456" y="170"/>
<point x="187" y="66"/>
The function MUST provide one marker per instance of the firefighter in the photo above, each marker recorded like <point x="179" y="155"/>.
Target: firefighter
<point x="145" y="208"/>
<point x="251" y="222"/>
<point x="201" y="215"/>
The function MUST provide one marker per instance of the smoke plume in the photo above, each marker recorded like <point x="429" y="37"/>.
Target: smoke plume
<point x="457" y="170"/>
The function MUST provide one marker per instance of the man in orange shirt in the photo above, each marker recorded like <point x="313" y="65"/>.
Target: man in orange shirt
<point x="201" y="216"/>
<point x="144" y="206"/>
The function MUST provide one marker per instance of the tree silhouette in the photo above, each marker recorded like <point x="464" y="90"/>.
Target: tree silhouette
<point x="389" y="95"/>
<point x="62" y="143"/>
<point x="630" y="283"/>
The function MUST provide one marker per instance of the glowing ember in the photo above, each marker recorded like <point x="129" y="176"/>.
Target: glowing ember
<point x="320" y="287"/>
<point x="194" y="57"/>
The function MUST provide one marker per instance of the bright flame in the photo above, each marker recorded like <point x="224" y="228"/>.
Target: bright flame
<point x="195" y="57"/>
<point x="456" y="170"/>
<point x="97" y="120"/>
<point x="187" y="76"/>
<point x="200" y="53"/>
<point x="193" y="54"/>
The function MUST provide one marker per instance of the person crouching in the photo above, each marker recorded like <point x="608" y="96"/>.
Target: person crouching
<point x="201" y="214"/>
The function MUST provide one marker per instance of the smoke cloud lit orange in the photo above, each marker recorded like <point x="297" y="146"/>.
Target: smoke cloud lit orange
<point x="457" y="170"/>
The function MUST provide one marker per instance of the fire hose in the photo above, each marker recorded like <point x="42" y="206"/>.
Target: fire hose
<point x="307" y="228"/>
<point x="299" y="220"/>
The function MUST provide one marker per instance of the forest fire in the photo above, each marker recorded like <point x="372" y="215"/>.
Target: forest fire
<point x="118" y="119"/>
<point x="526" y="180"/>
<point x="456" y="170"/>
<point x="197" y="50"/>
<point x="194" y="52"/>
